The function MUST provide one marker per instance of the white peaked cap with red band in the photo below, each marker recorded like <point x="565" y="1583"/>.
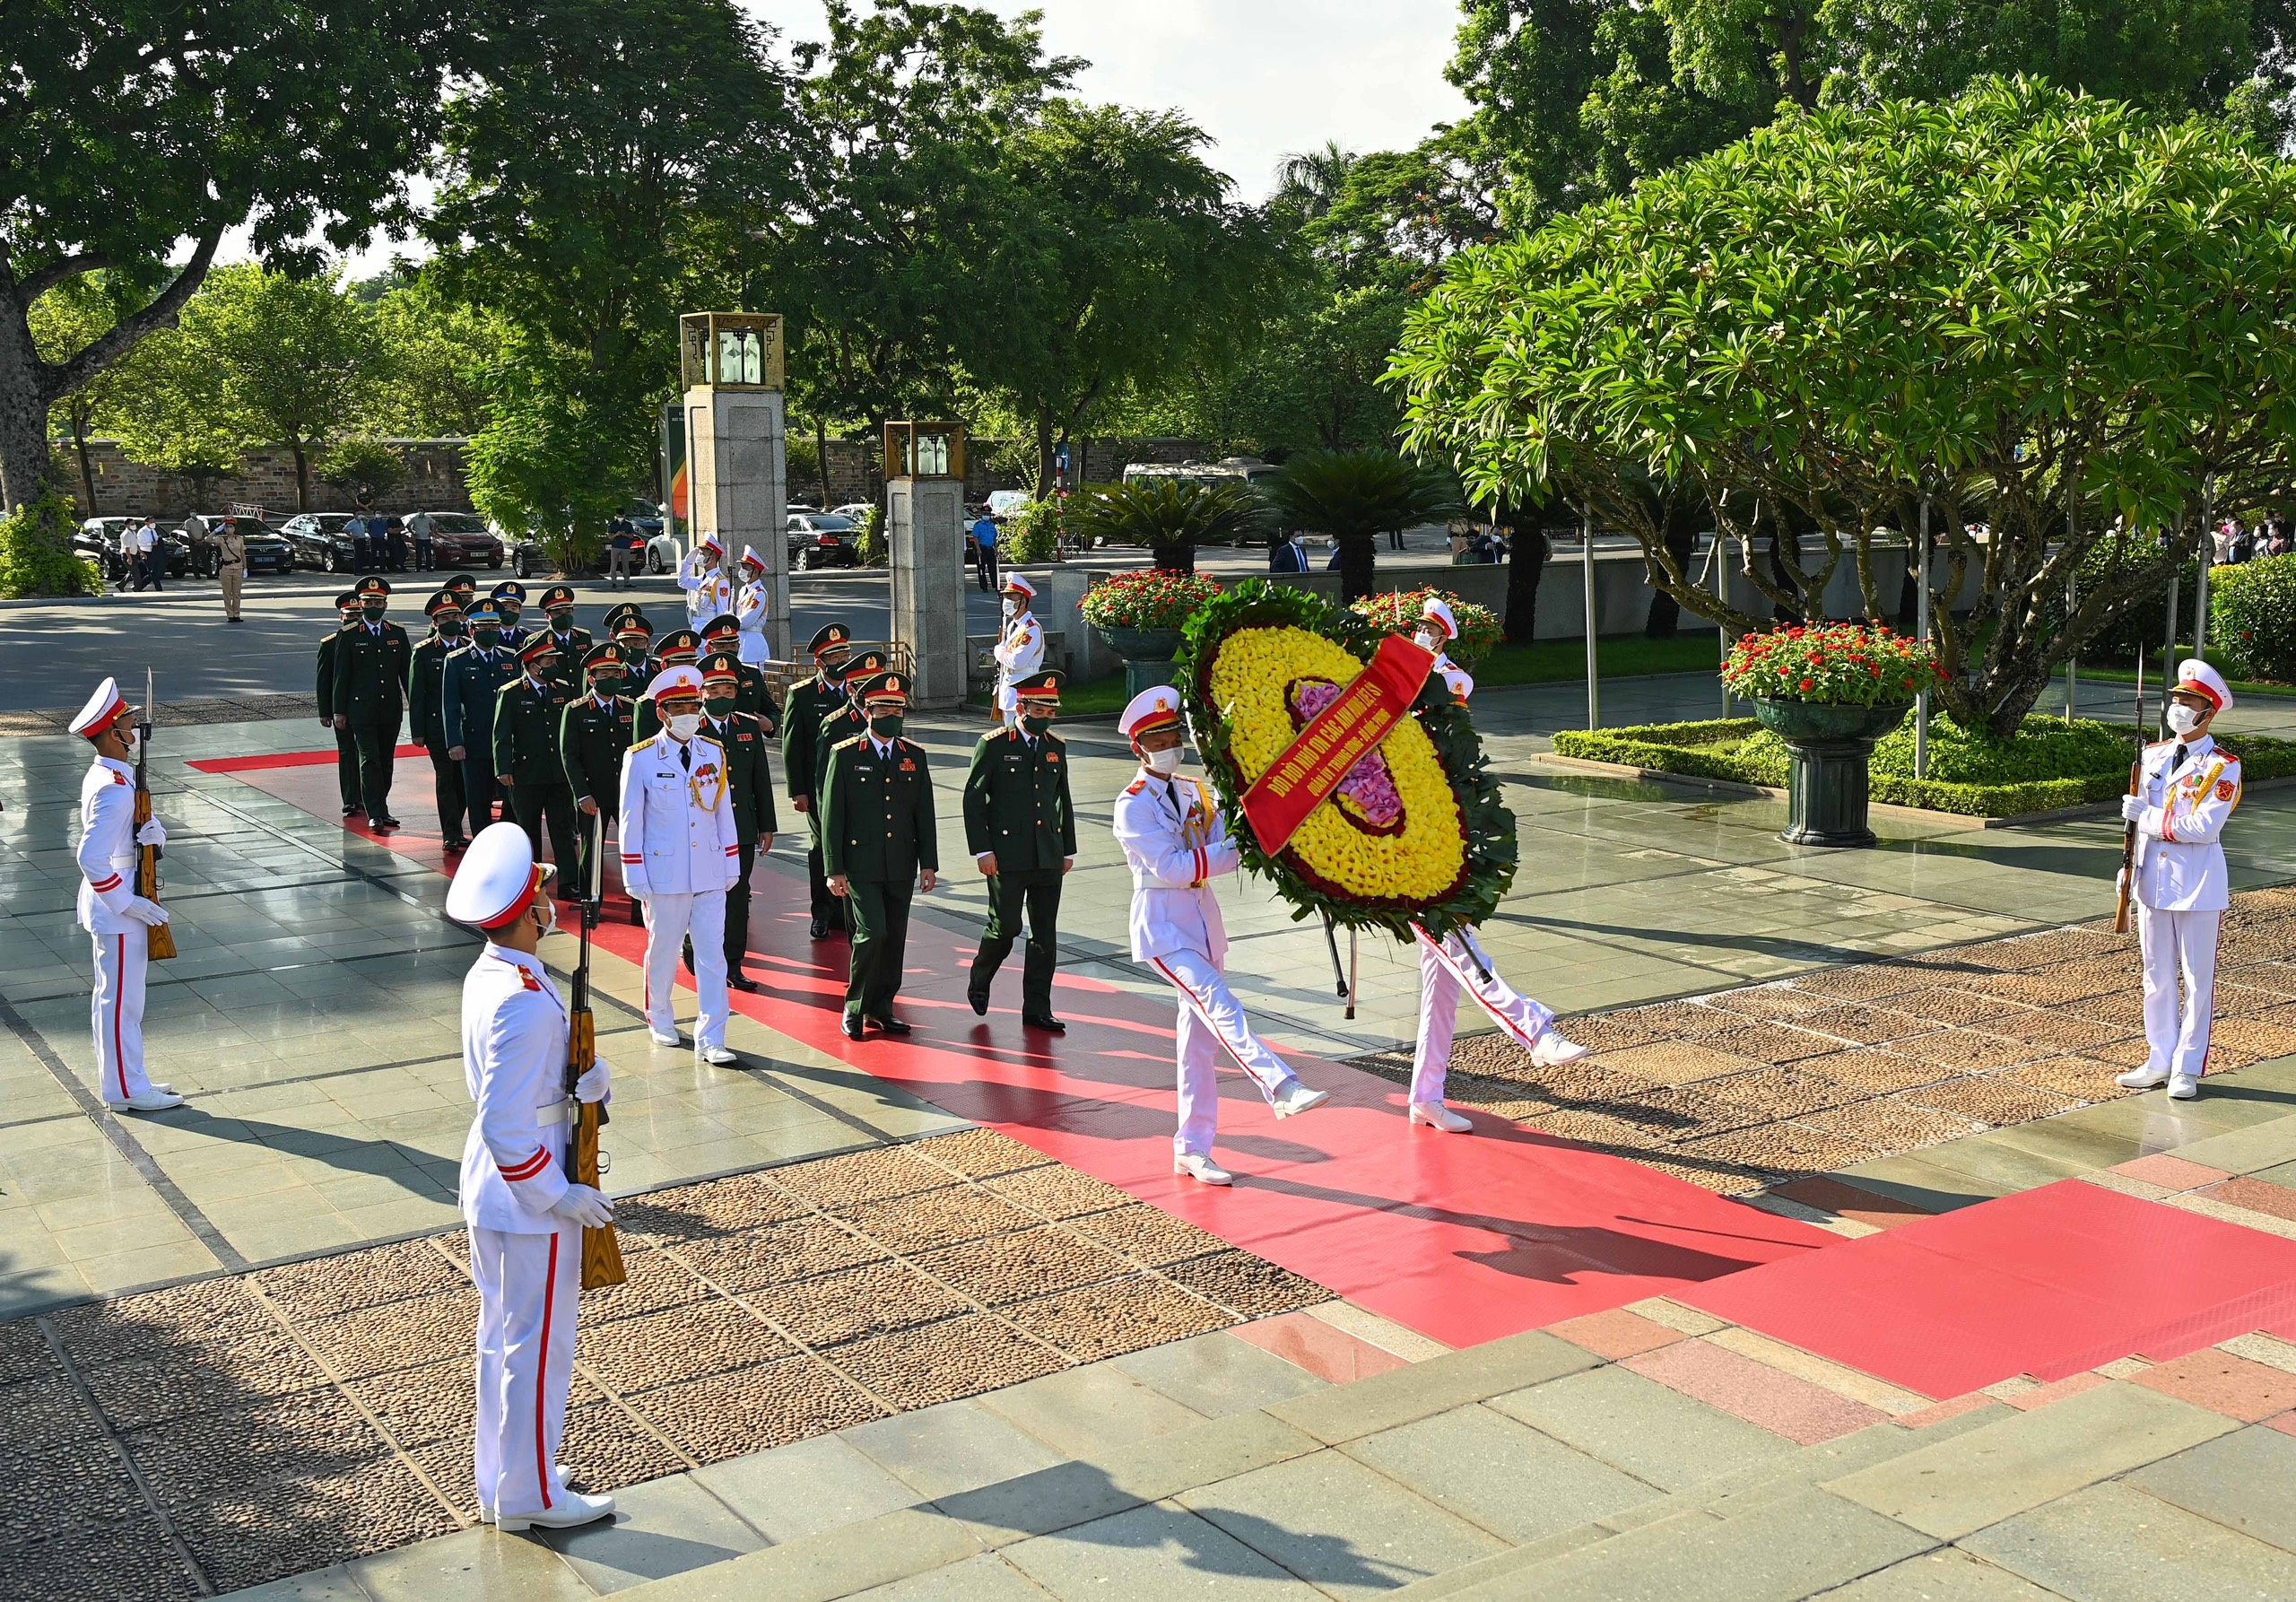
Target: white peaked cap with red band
<point x="710" y="543"/>
<point x="105" y="707"/>
<point x="1154" y="708"/>
<point x="750" y="559"/>
<point x="1015" y="584"/>
<point x="2198" y="677"/>
<point x="497" y="880"/>
<point x="676" y="681"/>
<point x="1436" y="610"/>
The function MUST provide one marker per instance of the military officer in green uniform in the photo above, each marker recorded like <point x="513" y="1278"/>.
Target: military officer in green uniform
<point x="510" y="600"/>
<point x="572" y="644"/>
<point x="848" y="719"/>
<point x="749" y="772"/>
<point x="680" y="648"/>
<point x="635" y="636"/>
<point x="1022" y="833"/>
<point x="593" y="734"/>
<point x="877" y="826"/>
<point x="811" y="700"/>
<point x="465" y="589"/>
<point x="346" y="754"/>
<point x="724" y="634"/>
<point x="426" y="713"/>
<point x="527" y="763"/>
<point x="372" y="661"/>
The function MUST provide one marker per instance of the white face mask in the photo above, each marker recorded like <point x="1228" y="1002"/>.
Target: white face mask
<point x="685" y="726"/>
<point x="545" y="914"/>
<point x="1010" y="611"/>
<point x="133" y="740"/>
<point x="1164" y="763"/>
<point x="2183" y="718"/>
<point x="1428" y="641"/>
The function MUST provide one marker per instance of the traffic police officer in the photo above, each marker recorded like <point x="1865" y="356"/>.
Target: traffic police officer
<point x="524" y="1215"/>
<point x="346" y="754"/>
<point x="752" y="608"/>
<point x="681" y="848"/>
<point x="2186" y="793"/>
<point x="372" y="665"/>
<point x="510" y="599"/>
<point x="877" y="821"/>
<point x="426" y="710"/>
<point x="1176" y="842"/>
<point x="116" y="917"/>
<point x="593" y="734"/>
<point x="474" y="682"/>
<point x="810" y="702"/>
<point x="527" y="713"/>
<point x="1021" y="832"/>
<point x="745" y="739"/>
<point x="1021" y="651"/>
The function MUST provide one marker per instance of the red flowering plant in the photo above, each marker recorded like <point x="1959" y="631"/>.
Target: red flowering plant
<point x="1838" y="664"/>
<point x="1398" y="611"/>
<point x="1146" y="599"/>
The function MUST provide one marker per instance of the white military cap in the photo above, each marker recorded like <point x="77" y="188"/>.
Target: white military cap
<point x="1437" y="610"/>
<point x="1016" y="585"/>
<point x="1154" y="708"/>
<point x="750" y="559"/>
<point x="710" y="543"/>
<point x="2198" y="677"/>
<point x="105" y="707"/>
<point x="497" y="880"/>
<point x="676" y="681"/>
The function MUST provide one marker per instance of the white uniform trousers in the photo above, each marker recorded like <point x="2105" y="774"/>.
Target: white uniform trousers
<point x="1444" y="969"/>
<point x="669" y="920"/>
<point x="1212" y="1017"/>
<point x="117" y="1013"/>
<point x="528" y="1287"/>
<point x="2174" y="944"/>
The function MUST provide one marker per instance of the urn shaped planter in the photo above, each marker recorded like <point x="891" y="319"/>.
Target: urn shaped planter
<point x="1147" y="654"/>
<point x="1828" y="796"/>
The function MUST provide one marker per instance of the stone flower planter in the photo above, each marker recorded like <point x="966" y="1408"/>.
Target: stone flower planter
<point x="1147" y="654"/>
<point x="1829" y="795"/>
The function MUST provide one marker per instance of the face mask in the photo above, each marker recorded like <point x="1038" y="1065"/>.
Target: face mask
<point x="886" y="727"/>
<point x="487" y="638"/>
<point x="606" y="685"/>
<point x="2183" y="718"/>
<point x="1428" y="641"/>
<point x="718" y="706"/>
<point x="563" y="621"/>
<point x="1164" y="763"/>
<point x="372" y="609"/>
<point x="134" y="739"/>
<point x="448" y="629"/>
<point x="509" y="617"/>
<point x="833" y="672"/>
<point x="1036" y="726"/>
<point x="685" y="726"/>
<point x="545" y="914"/>
<point x="1009" y="610"/>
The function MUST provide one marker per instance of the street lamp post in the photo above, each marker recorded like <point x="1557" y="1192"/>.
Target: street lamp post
<point x="1921" y="629"/>
<point x="1594" y="678"/>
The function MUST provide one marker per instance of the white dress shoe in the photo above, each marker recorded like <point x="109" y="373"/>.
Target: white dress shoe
<point x="575" y="1509"/>
<point x="155" y="1100"/>
<point x="1436" y="1115"/>
<point x="2145" y="1078"/>
<point x="666" y="1037"/>
<point x="1550" y="1049"/>
<point x="716" y="1057"/>
<point x="2183" y="1087"/>
<point x="1196" y="1165"/>
<point x="1296" y="1098"/>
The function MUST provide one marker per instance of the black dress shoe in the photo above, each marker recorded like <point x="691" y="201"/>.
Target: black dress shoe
<point x="455" y="842"/>
<point x="890" y="1025"/>
<point x="980" y="999"/>
<point x="744" y="982"/>
<point x="1044" y="1020"/>
<point x="852" y="1026"/>
<point x="818" y="928"/>
<point x="383" y="825"/>
<point x="353" y="810"/>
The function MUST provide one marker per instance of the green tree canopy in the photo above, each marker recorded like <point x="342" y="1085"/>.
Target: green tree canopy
<point x="1355" y="496"/>
<point x="2061" y="320"/>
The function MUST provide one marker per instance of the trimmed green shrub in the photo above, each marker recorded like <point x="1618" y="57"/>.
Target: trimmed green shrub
<point x="2252" y="617"/>
<point x="1033" y="534"/>
<point x="36" y="556"/>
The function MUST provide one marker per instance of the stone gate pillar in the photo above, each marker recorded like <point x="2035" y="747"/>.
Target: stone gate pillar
<point x="925" y="512"/>
<point x="737" y="462"/>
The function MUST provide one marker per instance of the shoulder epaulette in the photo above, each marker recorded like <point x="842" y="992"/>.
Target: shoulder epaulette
<point x="856" y="740"/>
<point x="1136" y="786"/>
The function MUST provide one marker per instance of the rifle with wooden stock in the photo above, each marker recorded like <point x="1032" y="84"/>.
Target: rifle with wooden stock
<point x="159" y="939"/>
<point x="601" y="1249"/>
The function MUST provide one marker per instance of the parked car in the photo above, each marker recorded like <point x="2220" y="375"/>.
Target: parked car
<point x="823" y="540"/>
<point x="268" y="550"/>
<point x="463" y="540"/>
<point x="98" y="540"/>
<point x="858" y="510"/>
<point x="322" y="540"/>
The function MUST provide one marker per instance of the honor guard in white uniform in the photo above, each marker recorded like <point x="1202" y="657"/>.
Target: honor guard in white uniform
<point x="1459" y="962"/>
<point x="1176" y="843"/>
<point x="1019" y="652"/>
<point x="525" y="1217"/>
<point x="680" y="852"/>
<point x="708" y="592"/>
<point x="2186" y="793"/>
<point x="754" y="606"/>
<point x="115" y="916"/>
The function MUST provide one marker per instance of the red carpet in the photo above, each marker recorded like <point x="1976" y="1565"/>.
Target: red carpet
<point x="2046" y="1283"/>
<point x="296" y="759"/>
<point x="1465" y="1239"/>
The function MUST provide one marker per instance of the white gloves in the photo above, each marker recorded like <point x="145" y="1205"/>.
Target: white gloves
<point x="594" y="1086"/>
<point x="584" y="1205"/>
<point x="2131" y="809"/>
<point x="152" y="834"/>
<point x="145" y="912"/>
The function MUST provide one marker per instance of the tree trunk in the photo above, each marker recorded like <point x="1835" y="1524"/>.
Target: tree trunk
<point x="1178" y="557"/>
<point x="1359" y="566"/>
<point x="1044" y="456"/>
<point x="303" y="477"/>
<point x="1681" y="545"/>
<point x="87" y="473"/>
<point x="25" y="461"/>
<point x="1527" y="554"/>
<point x="821" y="455"/>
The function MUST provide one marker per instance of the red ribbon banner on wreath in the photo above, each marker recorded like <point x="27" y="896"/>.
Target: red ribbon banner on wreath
<point x="1335" y="740"/>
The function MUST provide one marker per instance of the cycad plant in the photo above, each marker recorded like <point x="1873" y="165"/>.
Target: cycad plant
<point x="1170" y="516"/>
<point x="1355" y="496"/>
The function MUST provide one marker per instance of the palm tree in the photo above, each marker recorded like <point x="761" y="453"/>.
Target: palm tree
<point x="1356" y="496"/>
<point x="1170" y="516"/>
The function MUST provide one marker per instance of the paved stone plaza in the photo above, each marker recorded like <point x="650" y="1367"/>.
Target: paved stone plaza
<point x="867" y="1345"/>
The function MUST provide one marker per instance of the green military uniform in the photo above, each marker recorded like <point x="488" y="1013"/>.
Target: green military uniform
<point x="426" y="713"/>
<point x="346" y="754"/>
<point x="573" y="646"/>
<point x="749" y="774"/>
<point x="526" y="719"/>
<point x="372" y="662"/>
<point x="1017" y="806"/>
<point x="722" y="637"/>
<point x="593" y="735"/>
<point x="877" y="829"/>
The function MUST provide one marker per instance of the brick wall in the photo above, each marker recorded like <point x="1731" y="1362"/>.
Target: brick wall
<point x="266" y="478"/>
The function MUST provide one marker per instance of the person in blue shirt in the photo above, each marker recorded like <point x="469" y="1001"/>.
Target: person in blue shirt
<point x="983" y="540"/>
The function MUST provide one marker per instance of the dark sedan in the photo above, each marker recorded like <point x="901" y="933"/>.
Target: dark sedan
<point x="322" y="540"/>
<point x="100" y="540"/>
<point x="268" y="550"/>
<point x="463" y="540"/>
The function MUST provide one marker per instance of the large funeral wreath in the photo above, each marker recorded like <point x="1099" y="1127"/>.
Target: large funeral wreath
<point x="1417" y="833"/>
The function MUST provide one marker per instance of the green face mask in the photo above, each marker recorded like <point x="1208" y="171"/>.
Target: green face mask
<point x="1036" y="726"/>
<point x="886" y="727"/>
<point x="449" y="627"/>
<point x="509" y="616"/>
<point x="488" y="638"/>
<point x="372" y="609"/>
<point x="718" y="706"/>
<point x="605" y="683"/>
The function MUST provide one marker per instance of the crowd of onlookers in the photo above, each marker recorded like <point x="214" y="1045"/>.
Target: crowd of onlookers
<point x="2234" y="540"/>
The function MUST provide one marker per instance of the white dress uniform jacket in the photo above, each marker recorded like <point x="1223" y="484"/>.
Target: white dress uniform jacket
<point x="1175" y="841"/>
<point x="2180" y="857"/>
<point x="751" y="609"/>
<point x="1019" y="654"/>
<point x="1457" y="679"/>
<point x="678" y="833"/>
<point x="707" y="593"/>
<point x="107" y="852"/>
<point x="514" y="1061"/>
